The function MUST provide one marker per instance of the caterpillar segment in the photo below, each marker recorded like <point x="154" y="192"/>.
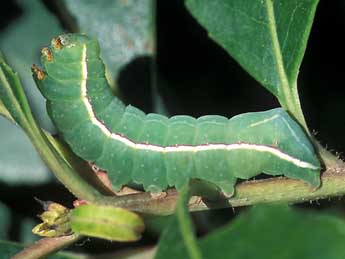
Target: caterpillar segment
<point x="156" y="151"/>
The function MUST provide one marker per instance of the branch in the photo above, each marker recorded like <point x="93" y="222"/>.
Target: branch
<point x="279" y="189"/>
<point x="45" y="247"/>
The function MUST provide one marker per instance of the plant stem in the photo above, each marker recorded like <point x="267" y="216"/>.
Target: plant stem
<point x="72" y="181"/>
<point x="247" y="193"/>
<point x="45" y="247"/>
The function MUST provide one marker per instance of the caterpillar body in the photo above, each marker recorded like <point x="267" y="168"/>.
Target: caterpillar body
<point x="156" y="151"/>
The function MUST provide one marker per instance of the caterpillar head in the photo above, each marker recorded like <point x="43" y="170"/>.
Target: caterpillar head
<point x="64" y="63"/>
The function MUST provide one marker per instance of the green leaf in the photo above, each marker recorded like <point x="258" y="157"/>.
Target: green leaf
<point x="5" y="221"/>
<point x="179" y="234"/>
<point x="279" y="232"/>
<point x="267" y="38"/>
<point x="276" y="232"/>
<point x="4" y="112"/>
<point x="26" y="166"/>
<point x="25" y="233"/>
<point x="124" y="29"/>
<point x="8" y="249"/>
<point x="22" y="224"/>
<point x="22" y="41"/>
<point x="12" y="95"/>
<point x="106" y="222"/>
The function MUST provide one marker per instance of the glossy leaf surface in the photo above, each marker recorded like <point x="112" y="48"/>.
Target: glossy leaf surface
<point x="267" y="38"/>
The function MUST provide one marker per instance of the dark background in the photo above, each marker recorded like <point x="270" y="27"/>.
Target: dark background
<point x="197" y="77"/>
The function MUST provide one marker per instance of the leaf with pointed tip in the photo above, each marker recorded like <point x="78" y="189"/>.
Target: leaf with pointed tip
<point x="267" y="38"/>
<point x="12" y="96"/>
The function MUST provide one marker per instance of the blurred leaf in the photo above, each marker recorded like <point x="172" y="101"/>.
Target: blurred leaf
<point x="20" y="162"/>
<point x="9" y="219"/>
<point x="21" y="41"/>
<point x="8" y="249"/>
<point x="106" y="222"/>
<point x="130" y="253"/>
<point x="124" y="29"/>
<point x="268" y="38"/>
<point x="179" y="234"/>
<point x="276" y="232"/>
<point x="5" y="221"/>
<point x="26" y="235"/>
<point x="155" y="225"/>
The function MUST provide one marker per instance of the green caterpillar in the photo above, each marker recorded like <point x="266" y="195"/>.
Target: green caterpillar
<point x="156" y="151"/>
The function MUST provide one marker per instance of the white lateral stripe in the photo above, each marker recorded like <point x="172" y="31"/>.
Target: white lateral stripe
<point x="178" y="148"/>
<point x="84" y="98"/>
